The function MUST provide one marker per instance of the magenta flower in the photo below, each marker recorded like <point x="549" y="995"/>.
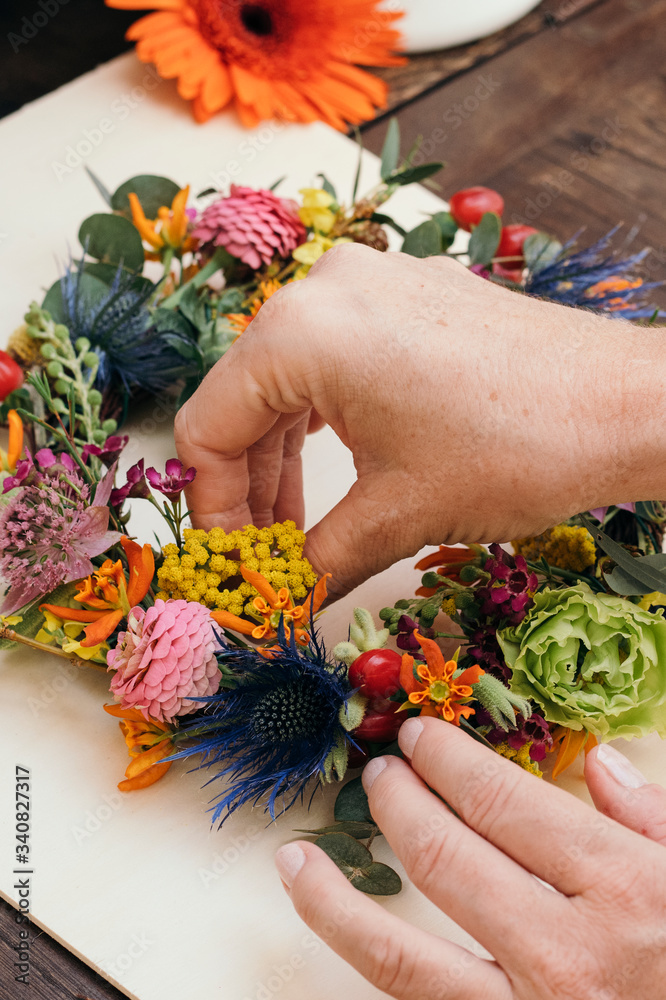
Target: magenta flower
<point x="136" y="486"/>
<point x="174" y="482"/>
<point x="49" y="532"/>
<point x="600" y="512"/>
<point x="165" y="660"/>
<point x="251" y="225"/>
<point x="109" y="451"/>
<point x="534" y="730"/>
<point x="509" y="593"/>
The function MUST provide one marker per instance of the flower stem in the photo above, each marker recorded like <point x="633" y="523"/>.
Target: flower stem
<point x="220" y="260"/>
<point x="12" y="636"/>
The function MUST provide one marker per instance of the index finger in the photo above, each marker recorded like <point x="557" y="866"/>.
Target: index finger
<point x="229" y="412"/>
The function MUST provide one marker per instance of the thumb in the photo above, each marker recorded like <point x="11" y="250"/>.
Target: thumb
<point x="364" y="534"/>
<point x="620" y="791"/>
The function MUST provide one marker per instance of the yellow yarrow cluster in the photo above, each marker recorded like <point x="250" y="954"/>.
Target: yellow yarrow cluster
<point x="564" y="546"/>
<point x="520" y="757"/>
<point x="210" y="559"/>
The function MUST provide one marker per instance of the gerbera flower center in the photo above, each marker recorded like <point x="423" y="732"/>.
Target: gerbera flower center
<point x="291" y="711"/>
<point x="256" y="19"/>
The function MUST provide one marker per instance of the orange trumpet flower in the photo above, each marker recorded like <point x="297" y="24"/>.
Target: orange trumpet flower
<point x="449" y="559"/>
<point x="109" y="596"/>
<point x="9" y="458"/>
<point x="148" y="742"/>
<point x="437" y="690"/>
<point x="169" y="229"/>
<point x="272" y="606"/>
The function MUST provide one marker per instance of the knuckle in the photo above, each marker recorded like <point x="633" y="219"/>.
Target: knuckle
<point x="342" y="255"/>
<point x="391" y="966"/>
<point x="489" y="798"/>
<point x="430" y="851"/>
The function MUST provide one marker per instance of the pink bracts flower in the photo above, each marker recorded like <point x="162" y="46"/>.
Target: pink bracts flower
<point x="251" y="225"/>
<point x="165" y="659"/>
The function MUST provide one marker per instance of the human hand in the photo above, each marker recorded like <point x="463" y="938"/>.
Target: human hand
<point x="602" y="936"/>
<point x="473" y="413"/>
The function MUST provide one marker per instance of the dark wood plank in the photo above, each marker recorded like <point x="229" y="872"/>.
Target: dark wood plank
<point x="429" y="69"/>
<point x="55" y="974"/>
<point x="569" y="127"/>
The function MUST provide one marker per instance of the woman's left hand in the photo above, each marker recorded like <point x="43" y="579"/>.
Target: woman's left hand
<point x="601" y="936"/>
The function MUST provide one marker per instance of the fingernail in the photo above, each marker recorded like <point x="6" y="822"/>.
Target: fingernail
<point x="408" y="735"/>
<point x="619" y="767"/>
<point x="371" y="771"/>
<point x="289" y="860"/>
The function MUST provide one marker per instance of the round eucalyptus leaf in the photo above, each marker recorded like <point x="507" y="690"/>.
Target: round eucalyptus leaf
<point x="378" y="880"/>
<point x="112" y="239"/>
<point x="151" y="190"/>
<point x="360" y="831"/>
<point x="349" y="855"/>
<point x="352" y="803"/>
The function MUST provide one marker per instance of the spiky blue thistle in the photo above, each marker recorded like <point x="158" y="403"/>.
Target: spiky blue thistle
<point x="136" y="346"/>
<point x="270" y="735"/>
<point x="568" y="278"/>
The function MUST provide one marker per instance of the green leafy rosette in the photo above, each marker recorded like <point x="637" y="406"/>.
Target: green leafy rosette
<point x="591" y="661"/>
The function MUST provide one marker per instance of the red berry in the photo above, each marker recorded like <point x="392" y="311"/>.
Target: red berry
<point x="359" y="756"/>
<point x="11" y="375"/>
<point x="376" y="673"/>
<point x="511" y="243"/>
<point x="510" y="273"/>
<point x="380" y="726"/>
<point x="469" y="205"/>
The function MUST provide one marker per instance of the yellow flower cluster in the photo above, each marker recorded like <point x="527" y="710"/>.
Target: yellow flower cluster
<point x="520" y="757"/>
<point x="209" y="560"/>
<point x="564" y="546"/>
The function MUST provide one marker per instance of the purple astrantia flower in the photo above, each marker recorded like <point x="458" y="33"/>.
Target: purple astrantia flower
<point x="110" y="451"/>
<point x="600" y="512"/>
<point x="136" y="486"/>
<point x="174" y="482"/>
<point x="49" y="532"/>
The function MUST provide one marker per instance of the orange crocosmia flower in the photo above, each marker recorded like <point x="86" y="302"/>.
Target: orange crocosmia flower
<point x="148" y="742"/>
<point x="169" y="229"/>
<point x="602" y="288"/>
<point x="241" y="321"/>
<point x="273" y="606"/>
<point x="9" y="459"/>
<point x="272" y="58"/>
<point x="447" y="559"/>
<point x="108" y="594"/>
<point x="437" y="691"/>
<point x="569" y="743"/>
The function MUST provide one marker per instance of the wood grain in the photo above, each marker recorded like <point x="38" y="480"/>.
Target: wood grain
<point x="569" y="126"/>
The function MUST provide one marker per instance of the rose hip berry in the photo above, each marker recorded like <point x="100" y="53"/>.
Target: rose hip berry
<point x="11" y="375"/>
<point x="376" y="673"/>
<point x="380" y="726"/>
<point x="467" y="206"/>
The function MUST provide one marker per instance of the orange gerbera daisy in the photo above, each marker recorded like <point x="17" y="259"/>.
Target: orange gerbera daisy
<point x="437" y="691"/>
<point x="271" y="58"/>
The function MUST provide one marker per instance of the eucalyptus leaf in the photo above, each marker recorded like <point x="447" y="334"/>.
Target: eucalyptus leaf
<point x="626" y="583"/>
<point x="101" y="187"/>
<point x="640" y="573"/>
<point x="327" y="186"/>
<point x="151" y="190"/>
<point x="378" y="880"/>
<point x="539" y="250"/>
<point x="112" y="239"/>
<point x="352" y="803"/>
<point x="360" y="831"/>
<point x="484" y="239"/>
<point x="448" y="227"/>
<point x="346" y="851"/>
<point x="424" y="241"/>
<point x="413" y="175"/>
<point x="390" y="150"/>
<point x="386" y="220"/>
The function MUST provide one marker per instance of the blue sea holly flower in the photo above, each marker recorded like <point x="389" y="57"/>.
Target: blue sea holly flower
<point x="274" y="732"/>
<point x="136" y="345"/>
<point x="595" y="278"/>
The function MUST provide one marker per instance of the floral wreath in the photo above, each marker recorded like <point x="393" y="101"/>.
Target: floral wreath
<point x="211" y="642"/>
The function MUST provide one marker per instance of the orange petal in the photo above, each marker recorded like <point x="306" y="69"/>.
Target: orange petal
<point x="226" y="620"/>
<point x="73" y="614"/>
<point x="101" y="629"/>
<point x="15" y="439"/>
<point x="131" y="714"/>
<point x="148" y="758"/>
<point x="570" y="747"/>
<point x="433" y="654"/>
<point x="216" y="90"/>
<point x="260" y="584"/>
<point x="142" y="4"/>
<point x="408" y="681"/>
<point x="316" y="597"/>
<point x="431" y="711"/>
<point x="145" y="226"/>
<point x="141" y="568"/>
<point x="177" y="227"/>
<point x="470" y="676"/>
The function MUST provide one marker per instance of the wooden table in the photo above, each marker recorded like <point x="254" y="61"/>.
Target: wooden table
<point x="562" y="112"/>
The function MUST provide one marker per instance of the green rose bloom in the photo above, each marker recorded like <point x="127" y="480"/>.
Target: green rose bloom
<point x="591" y="661"/>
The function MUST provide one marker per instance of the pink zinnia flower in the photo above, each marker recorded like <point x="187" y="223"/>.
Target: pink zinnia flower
<point x="165" y="659"/>
<point x="251" y="225"/>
